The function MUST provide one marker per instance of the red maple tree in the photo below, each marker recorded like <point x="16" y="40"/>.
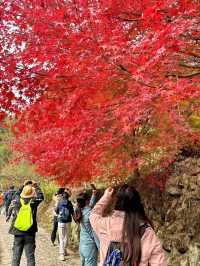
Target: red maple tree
<point x="100" y="87"/>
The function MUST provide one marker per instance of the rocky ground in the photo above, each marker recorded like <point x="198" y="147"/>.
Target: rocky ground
<point x="46" y="254"/>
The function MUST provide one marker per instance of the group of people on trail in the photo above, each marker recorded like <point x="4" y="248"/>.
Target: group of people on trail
<point x="124" y="236"/>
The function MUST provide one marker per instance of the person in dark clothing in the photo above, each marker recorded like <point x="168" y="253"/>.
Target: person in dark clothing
<point x="65" y="211"/>
<point x="56" y="198"/>
<point x="12" y="211"/>
<point x="8" y="197"/>
<point x="25" y="239"/>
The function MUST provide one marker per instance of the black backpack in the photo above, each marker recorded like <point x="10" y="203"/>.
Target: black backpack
<point x="114" y="254"/>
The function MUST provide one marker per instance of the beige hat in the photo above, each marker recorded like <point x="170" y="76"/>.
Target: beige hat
<point x="28" y="192"/>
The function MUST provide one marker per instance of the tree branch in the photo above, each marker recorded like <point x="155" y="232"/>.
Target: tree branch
<point x="179" y="75"/>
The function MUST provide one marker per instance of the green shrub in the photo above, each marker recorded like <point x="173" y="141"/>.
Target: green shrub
<point x="49" y="189"/>
<point x="195" y="121"/>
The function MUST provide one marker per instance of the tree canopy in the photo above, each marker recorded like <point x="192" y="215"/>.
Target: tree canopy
<point x="100" y="88"/>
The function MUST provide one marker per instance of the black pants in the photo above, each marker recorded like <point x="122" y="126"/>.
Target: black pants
<point x="55" y="229"/>
<point x="28" y="244"/>
<point x="6" y="208"/>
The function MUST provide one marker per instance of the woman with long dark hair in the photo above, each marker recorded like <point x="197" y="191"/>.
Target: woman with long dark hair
<point x="89" y="242"/>
<point x="129" y="226"/>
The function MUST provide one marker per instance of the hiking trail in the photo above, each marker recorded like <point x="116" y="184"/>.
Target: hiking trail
<point x="46" y="253"/>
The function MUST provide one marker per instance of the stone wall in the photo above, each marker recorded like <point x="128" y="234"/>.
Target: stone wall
<point x="181" y="225"/>
<point x="176" y="212"/>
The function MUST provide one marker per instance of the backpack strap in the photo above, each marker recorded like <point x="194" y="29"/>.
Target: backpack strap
<point x="23" y="203"/>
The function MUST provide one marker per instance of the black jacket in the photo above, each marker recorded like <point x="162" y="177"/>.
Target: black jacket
<point x="14" y="209"/>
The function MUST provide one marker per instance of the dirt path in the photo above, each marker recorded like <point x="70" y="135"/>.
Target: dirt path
<point x="46" y="254"/>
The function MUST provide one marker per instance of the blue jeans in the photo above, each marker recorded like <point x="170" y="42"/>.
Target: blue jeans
<point x="88" y="254"/>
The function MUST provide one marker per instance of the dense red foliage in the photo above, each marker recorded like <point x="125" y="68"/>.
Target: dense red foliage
<point x="112" y="84"/>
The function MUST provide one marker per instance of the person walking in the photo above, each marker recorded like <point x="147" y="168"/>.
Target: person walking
<point x="56" y="199"/>
<point x="126" y="236"/>
<point x="65" y="211"/>
<point x="89" y="243"/>
<point x="8" y="197"/>
<point x="24" y="224"/>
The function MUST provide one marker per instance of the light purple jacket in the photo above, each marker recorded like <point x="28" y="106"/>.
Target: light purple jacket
<point x="110" y="229"/>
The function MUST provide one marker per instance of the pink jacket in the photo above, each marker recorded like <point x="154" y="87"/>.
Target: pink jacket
<point x="110" y="228"/>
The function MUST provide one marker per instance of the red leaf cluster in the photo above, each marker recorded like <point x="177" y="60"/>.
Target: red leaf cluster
<point x="100" y="87"/>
